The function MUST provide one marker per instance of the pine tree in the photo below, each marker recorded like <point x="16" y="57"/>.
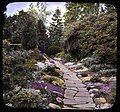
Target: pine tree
<point x="55" y="29"/>
<point x="42" y="38"/>
<point x="29" y="40"/>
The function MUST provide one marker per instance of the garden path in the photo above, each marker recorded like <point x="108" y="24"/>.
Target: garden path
<point x="76" y="95"/>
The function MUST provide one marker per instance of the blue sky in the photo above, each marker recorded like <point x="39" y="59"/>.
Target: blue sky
<point x="12" y="8"/>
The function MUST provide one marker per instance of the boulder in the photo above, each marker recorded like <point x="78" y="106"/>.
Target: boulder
<point x="99" y="101"/>
<point x="68" y="64"/>
<point x="59" y="100"/>
<point x="104" y="79"/>
<point x="9" y="104"/>
<point x="66" y="107"/>
<point x="17" y="88"/>
<point x="54" y="106"/>
<point x="112" y="79"/>
<point x="90" y="87"/>
<point x="86" y="79"/>
<point x="105" y="106"/>
<point x="92" y="95"/>
<point x="93" y="90"/>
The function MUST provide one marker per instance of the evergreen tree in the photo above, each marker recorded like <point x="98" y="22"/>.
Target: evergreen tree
<point x="21" y="20"/>
<point x="42" y="38"/>
<point x="6" y="28"/>
<point x="55" y="29"/>
<point x="29" y="40"/>
<point x="39" y="11"/>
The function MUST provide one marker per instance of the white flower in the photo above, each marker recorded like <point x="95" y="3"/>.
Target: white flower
<point x="45" y="87"/>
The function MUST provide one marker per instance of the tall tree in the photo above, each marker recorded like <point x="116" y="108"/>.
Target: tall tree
<point x="42" y="11"/>
<point x="29" y="39"/>
<point x="39" y="11"/>
<point x="6" y="28"/>
<point x="77" y="11"/>
<point x="21" y="20"/>
<point x="56" y="27"/>
<point x="14" y="25"/>
<point x="42" y="37"/>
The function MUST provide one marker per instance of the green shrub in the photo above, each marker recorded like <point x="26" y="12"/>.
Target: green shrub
<point x="53" y="50"/>
<point x="51" y="71"/>
<point x="6" y="44"/>
<point x="112" y="95"/>
<point x="26" y="99"/>
<point x="95" y="79"/>
<point x="68" y="57"/>
<point x="86" y="36"/>
<point x="54" y="80"/>
<point x="97" y="67"/>
<point x="30" y="63"/>
<point x="40" y="58"/>
<point x="15" y="46"/>
<point x="60" y="55"/>
<point x="20" y="80"/>
<point x="108" y="72"/>
<point x="88" y="61"/>
<point x="7" y="82"/>
<point x="106" y="55"/>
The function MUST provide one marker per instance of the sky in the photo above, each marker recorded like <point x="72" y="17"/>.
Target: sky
<point x="13" y="8"/>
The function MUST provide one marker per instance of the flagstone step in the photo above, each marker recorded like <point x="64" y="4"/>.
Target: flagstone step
<point x="76" y="93"/>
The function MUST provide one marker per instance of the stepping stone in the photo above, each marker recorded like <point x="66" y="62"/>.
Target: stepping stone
<point x="66" y="78"/>
<point x="65" y="75"/>
<point x="54" y="106"/>
<point x="85" y="106"/>
<point x="71" y="88"/>
<point x="69" y="95"/>
<point x="77" y="80"/>
<point x="81" y="94"/>
<point x="69" y="101"/>
<point x="66" y="107"/>
<point x="82" y="89"/>
<point x="83" y="100"/>
<point x="70" y="91"/>
<point x="68" y="81"/>
<point x="79" y="85"/>
<point x="72" y="85"/>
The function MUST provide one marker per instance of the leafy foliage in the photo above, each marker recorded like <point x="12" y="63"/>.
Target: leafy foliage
<point x="29" y="36"/>
<point x="77" y="11"/>
<point x="95" y="79"/>
<point x="108" y="72"/>
<point x="26" y="99"/>
<point x="52" y="50"/>
<point x="51" y="71"/>
<point x="94" y="35"/>
<point x="55" y="29"/>
<point x="42" y="37"/>
<point x="97" y="67"/>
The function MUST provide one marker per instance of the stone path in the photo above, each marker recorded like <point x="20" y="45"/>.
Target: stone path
<point x="75" y="95"/>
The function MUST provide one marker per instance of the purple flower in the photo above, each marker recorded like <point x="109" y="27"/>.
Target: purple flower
<point x="49" y="87"/>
